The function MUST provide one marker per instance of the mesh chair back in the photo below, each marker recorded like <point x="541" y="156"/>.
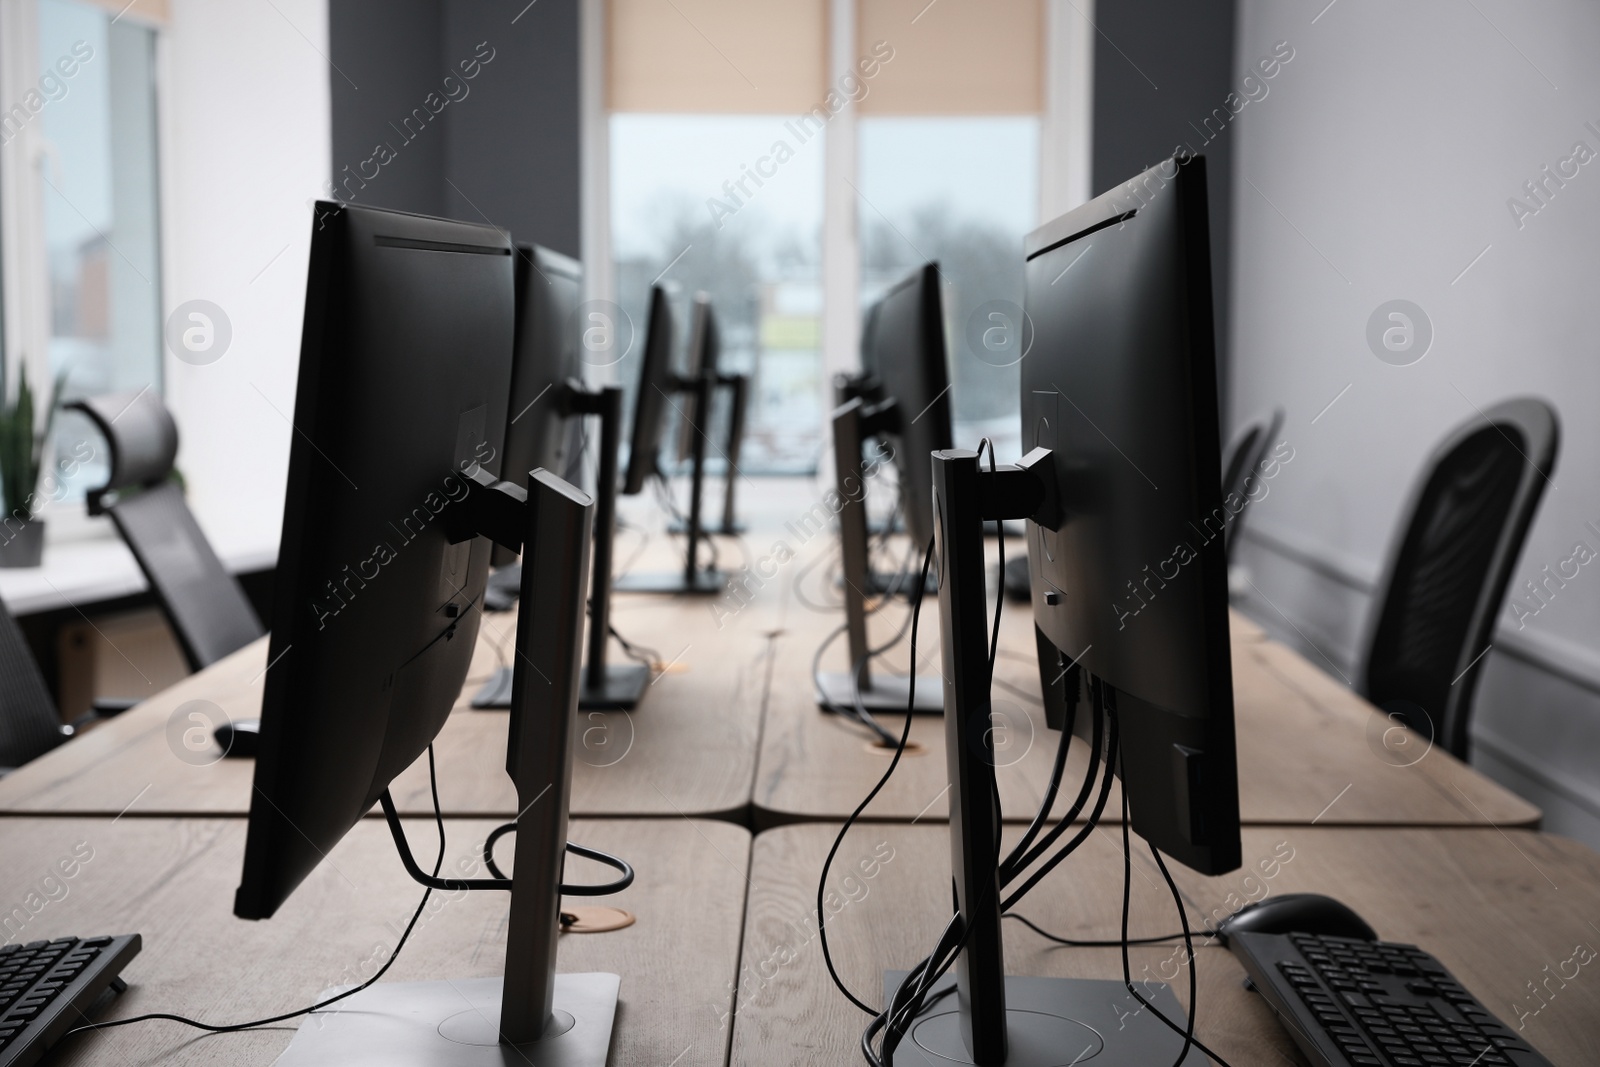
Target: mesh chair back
<point x="1244" y="459"/>
<point x="207" y="608"/>
<point x="1446" y="577"/>
<point x="29" y="724"/>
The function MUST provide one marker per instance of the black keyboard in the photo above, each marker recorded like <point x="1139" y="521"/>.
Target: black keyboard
<point x="48" y="987"/>
<point x="1353" y="1003"/>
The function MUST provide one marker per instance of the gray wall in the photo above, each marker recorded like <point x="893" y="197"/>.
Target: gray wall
<point x="388" y="51"/>
<point x="1380" y="167"/>
<point x="1161" y="69"/>
<point x="503" y="146"/>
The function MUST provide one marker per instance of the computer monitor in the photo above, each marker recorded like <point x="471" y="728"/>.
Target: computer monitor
<point x="903" y="399"/>
<point x="538" y="433"/>
<point x="660" y="387"/>
<point x="657" y="384"/>
<point x="904" y="347"/>
<point x="405" y="364"/>
<point x="705" y="348"/>
<point x="1122" y="490"/>
<point x="548" y="401"/>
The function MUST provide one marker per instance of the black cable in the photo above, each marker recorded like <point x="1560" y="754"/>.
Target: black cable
<point x="1111" y="943"/>
<point x="1188" y="943"/>
<point x="637" y="653"/>
<point x="1056" y="772"/>
<point x="822" y="880"/>
<point x="438" y="865"/>
<point x="1000" y="587"/>
<point x="601" y="890"/>
<point x="1017" y="864"/>
<point x="1082" y="835"/>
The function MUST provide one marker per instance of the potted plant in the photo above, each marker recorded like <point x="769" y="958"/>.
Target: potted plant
<point x="21" y="455"/>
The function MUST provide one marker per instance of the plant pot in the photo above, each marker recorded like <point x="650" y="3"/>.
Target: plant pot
<point x="21" y="545"/>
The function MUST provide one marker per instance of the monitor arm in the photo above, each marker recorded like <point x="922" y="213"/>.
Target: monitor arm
<point x="739" y="387"/>
<point x="965" y="497"/>
<point x="623" y="687"/>
<point x="491" y="508"/>
<point x="556" y="521"/>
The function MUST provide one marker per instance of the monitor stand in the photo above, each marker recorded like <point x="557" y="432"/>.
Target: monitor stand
<point x="738" y="386"/>
<point x="532" y="1015"/>
<point x="853" y="422"/>
<point x="604" y="687"/>
<point x="995" y="1018"/>
<point x="691" y="580"/>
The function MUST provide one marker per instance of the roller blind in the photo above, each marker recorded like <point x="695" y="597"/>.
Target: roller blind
<point x="955" y="57"/>
<point x="156" y="11"/>
<point x="715" y="56"/>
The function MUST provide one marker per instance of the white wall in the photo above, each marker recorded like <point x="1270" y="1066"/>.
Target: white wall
<point x="245" y="108"/>
<point x="1378" y="168"/>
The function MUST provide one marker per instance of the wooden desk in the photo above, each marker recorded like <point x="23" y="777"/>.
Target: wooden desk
<point x="1484" y="901"/>
<point x="1309" y="750"/>
<point x="172" y="881"/>
<point x="687" y="750"/>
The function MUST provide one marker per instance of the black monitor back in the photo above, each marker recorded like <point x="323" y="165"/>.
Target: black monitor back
<point x="1121" y="385"/>
<point x="656" y="387"/>
<point x="705" y="349"/>
<point x="907" y="353"/>
<point x="549" y="287"/>
<point x="405" y="362"/>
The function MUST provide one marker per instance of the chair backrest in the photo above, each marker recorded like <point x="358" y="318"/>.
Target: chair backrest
<point x="207" y="608"/>
<point x="1446" y="576"/>
<point x="1243" y="459"/>
<point x="29" y="723"/>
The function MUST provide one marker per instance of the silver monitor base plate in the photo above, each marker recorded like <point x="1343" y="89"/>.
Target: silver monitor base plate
<point x="887" y="693"/>
<point x="454" y="1023"/>
<point x="1054" y="1022"/>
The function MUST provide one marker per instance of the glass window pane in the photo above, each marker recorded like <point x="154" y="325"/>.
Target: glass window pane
<point x="686" y="208"/>
<point x="962" y="191"/>
<point x="98" y="189"/>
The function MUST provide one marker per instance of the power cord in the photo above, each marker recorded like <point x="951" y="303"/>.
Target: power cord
<point x="1188" y="942"/>
<point x="1075" y="943"/>
<point x="822" y="881"/>
<point x="438" y="816"/>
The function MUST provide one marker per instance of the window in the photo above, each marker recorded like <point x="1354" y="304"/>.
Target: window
<point x="962" y="191"/>
<point x="80" y="146"/>
<point x="944" y="139"/>
<point x="760" y="261"/>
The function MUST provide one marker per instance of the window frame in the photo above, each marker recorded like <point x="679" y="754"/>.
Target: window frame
<point x="25" y="305"/>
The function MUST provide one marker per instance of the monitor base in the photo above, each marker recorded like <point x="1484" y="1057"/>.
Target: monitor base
<point x="622" y="689"/>
<point x="706" y="583"/>
<point x="455" y="1023"/>
<point x="624" y="686"/>
<point x="887" y="694"/>
<point x="880" y="582"/>
<point x="1053" y="1022"/>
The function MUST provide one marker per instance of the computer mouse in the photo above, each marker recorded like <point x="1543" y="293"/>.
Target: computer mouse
<point x="238" y="739"/>
<point x="1297" y="913"/>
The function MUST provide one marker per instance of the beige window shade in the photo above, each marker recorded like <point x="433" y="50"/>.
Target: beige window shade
<point x="955" y="57"/>
<point x="156" y="11"/>
<point x="715" y="55"/>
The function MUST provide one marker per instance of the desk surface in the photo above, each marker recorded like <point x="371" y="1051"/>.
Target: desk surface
<point x="702" y="715"/>
<point x="1495" y="907"/>
<point x="172" y="881"/>
<point x="1309" y="750"/>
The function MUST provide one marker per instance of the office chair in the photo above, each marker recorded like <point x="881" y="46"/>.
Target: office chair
<point x="204" y="603"/>
<point x="1446" y="576"/>
<point x="29" y="723"/>
<point x="1243" y="459"/>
